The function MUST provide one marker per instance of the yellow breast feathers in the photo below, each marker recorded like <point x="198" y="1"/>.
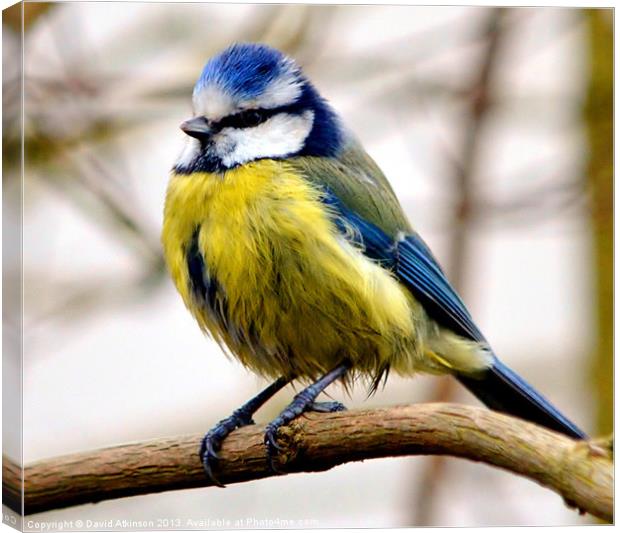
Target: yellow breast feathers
<point x="260" y="263"/>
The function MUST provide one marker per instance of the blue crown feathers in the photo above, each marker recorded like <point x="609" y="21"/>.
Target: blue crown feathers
<point x="244" y="70"/>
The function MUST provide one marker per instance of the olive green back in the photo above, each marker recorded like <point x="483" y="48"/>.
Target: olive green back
<point x="359" y="184"/>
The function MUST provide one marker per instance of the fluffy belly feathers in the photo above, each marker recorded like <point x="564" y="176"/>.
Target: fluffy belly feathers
<point x="261" y="265"/>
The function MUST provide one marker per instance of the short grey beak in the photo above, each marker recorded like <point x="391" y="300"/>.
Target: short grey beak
<point x="197" y="127"/>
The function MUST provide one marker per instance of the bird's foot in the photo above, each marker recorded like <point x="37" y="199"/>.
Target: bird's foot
<point x="212" y="441"/>
<point x="302" y="402"/>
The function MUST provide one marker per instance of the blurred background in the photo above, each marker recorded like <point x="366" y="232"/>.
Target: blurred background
<point x="494" y="127"/>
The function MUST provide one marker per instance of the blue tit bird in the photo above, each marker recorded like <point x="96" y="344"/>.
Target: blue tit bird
<point x="290" y="248"/>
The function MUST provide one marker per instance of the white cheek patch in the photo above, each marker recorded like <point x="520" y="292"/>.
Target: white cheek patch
<point x="281" y="135"/>
<point x="191" y="150"/>
<point x="213" y="103"/>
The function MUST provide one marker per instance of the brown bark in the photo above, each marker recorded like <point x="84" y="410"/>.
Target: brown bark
<point x="581" y="472"/>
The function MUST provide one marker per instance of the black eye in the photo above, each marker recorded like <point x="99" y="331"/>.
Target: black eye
<point x="250" y="118"/>
<point x="245" y="119"/>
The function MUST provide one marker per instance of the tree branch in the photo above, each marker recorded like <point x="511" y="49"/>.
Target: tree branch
<point x="581" y="472"/>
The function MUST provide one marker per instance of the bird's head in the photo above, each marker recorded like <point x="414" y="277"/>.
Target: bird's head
<point x="253" y="102"/>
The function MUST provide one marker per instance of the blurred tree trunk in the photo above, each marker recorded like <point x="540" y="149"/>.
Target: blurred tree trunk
<point x="599" y="123"/>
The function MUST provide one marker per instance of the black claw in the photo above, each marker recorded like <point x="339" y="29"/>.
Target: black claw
<point x="272" y="448"/>
<point x="211" y="451"/>
<point x="212" y="441"/>
<point x="207" y="464"/>
<point x="270" y="437"/>
<point x="209" y="457"/>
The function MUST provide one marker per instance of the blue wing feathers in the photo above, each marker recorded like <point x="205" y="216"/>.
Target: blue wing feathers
<point x="414" y="265"/>
<point x="412" y="262"/>
<point x="419" y="270"/>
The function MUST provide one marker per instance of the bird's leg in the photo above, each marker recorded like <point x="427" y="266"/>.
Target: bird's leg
<point x="304" y="401"/>
<point x="212" y="441"/>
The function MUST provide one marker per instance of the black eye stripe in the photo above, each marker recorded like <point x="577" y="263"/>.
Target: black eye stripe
<point x="246" y="119"/>
<point x="254" y="117"/>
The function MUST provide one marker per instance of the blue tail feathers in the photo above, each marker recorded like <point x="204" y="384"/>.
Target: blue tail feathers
<point x="501" y="389"/>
